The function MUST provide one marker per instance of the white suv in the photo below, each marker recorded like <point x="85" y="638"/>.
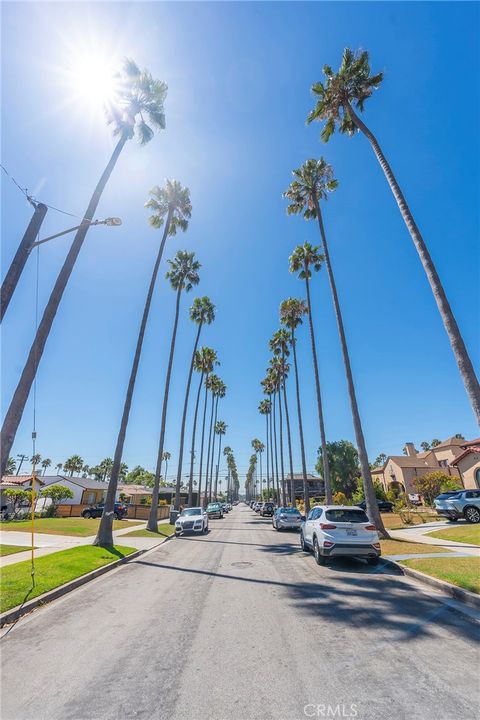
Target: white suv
<point x="339" y="530"/>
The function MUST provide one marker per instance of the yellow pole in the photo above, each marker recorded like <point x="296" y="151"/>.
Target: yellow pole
<point x="33" y="525"/>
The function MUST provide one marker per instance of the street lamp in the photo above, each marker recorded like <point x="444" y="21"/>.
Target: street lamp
<point x="24" y="249"/>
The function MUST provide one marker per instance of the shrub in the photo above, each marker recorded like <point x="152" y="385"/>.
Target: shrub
<point x="56" y="493"/>
<point x="432" y="484"/>
<point x="339" y="498"/>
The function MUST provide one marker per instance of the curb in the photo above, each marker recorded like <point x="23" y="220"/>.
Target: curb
<point x="14" y="614"/>
<point x="454" y="591"/>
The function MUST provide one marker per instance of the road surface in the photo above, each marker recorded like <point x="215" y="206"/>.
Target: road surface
<point x="240" y="625"/>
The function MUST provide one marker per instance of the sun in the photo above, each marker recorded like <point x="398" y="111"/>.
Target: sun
<point x="91" y="76"/>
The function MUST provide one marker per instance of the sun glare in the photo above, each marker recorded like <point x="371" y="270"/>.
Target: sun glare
<point x="92" y="80"/>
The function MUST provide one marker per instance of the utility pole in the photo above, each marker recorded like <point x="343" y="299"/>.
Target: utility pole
<point x="21" y="458"/>
<point x="18" y="263"/>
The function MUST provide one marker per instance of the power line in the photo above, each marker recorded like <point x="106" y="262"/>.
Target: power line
<point x="33" y="201"/>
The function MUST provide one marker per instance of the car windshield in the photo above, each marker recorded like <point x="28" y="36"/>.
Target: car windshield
<point x="213" y="506"/>
<point x="191" y="511"/>
<point x="346" y="515"/>
<point x="290" y="511"/>
<point x="445" y="495"/>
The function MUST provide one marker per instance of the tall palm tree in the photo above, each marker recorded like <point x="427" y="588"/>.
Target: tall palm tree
<point x="73" y="464"/>
<point x="227" y="452"/>
<point x="58" y="467"/>
<point x="36" y="459"/>
<point x="46" y="462"/>
<point x="166" y="456"/>
<point x="303" y="260"/>
<point x="291" y="314"/>
<point x="211" y="383"/>
<point x="220" y="429"/>
<point x="353" y="84"/>
<point x="11" y="466"/>
<point x="265" y="408"/>
<point x="183" y="276"/>
<point x="202" y="312"/>
<point x="268" y="390"/>
<point x="219" y="392"/>
<point x="313" y="181"/>
<point x="271" y="386"/>
<point x="171" y="209"/>
<point x="279" y="370"/>
<point x="205" y="360"/>
<point x="139" y="97"/>
<point x="280" y="345"/>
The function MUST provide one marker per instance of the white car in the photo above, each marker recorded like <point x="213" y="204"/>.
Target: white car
<point x="339" y="530"/>
<point x="193" y="519"/>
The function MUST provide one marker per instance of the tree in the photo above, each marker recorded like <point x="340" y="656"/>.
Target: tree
<point x="380" y="460"/>
<point x="279" y="345"/>
<point x="73" y="464"/>
<point x="202" y="312"/>
<point x="433" y="483"/>
<point x="183" y="276"/>
<point x="218" y="392"/>
<point x="344" y="465"/>
<point x="312" y="183"/>
<point x="220" y="429"/>
<point x="279" y="371"/>
<point x="435" y="443"/>
<point x="36" y="459"/>
<point x="291" y="313"/>
<point x="10" y="468"/>
<point x="17" y="498"/>
<point x="58" y="467"/>
<point x="46" y="462"/>
<point x="303" y="260"/>
<point x="139" y="97"/>
<point x="205" y="360"/>
<point x="171" y="209"/>
<point x="425" y="446"/>
<point x="353" y="84"/>
<point x="56" y="493"/>
<point x="359" y="494"/>
<point x="265" y="408"/>
<point x="166" y="456"/>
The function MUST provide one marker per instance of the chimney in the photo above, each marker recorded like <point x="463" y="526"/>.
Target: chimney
<point x="410" y="450"/>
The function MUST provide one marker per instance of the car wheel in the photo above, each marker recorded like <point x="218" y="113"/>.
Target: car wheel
<point x="87" y="515"/>
<point x="452" y="519"/>
<point x="373" y="560"/>
<point x="472" y="514"/>
<point x="177" y="534"/>
<point x="303" y="544"/>
<point x="116" y="517"/>
<point x="320" y="560"/>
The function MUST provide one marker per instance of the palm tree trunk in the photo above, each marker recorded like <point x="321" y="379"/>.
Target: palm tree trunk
<point x="462" y="357"/>
<point x="208" y="493"/>
<point x="184" y="419"/>
<point x="261" y="475"/>
<point x="370" y="498"/>
<point x="275" y="446"/>
<point x="202" y="444"/>
<point x="21" y="256"/>
<point x="104" y="534"/>
<point x="152" y="524"/>
<point x="289" y="437"/>
<point x="323" y="439"/>
<point x="272" y="469"/>
<point x="213" y="448"/>
<point x="20" y="397"/>
<point x="218" y="464"/>
<point x="268" y="459"/>
<point x="280" y="432"/>
<point x="306" y="499"/>
<point x="192" y="450"/>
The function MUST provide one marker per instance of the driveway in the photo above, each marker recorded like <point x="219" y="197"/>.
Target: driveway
<point x="241" y="625"/>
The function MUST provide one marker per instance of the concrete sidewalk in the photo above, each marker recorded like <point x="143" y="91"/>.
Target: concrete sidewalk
<point x="419" y="534"/>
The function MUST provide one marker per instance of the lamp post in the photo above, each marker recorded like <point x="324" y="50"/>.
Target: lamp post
<point x="25" y="248"/>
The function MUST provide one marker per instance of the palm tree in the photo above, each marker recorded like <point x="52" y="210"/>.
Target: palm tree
<point x="219" y="392"/>
<point x="73" y="464"/>
<point x="353" y="84"/>
<point x="279" y="371"/>
<point x="280" y="345"/>
<point x="291" y="313"/>
<point x="265" y="408"/>
<point x="272" y="388"/>
<point x="220" y="429"/>
<point x="311" y="184"/>
<point x="36" y="459"/>
<point x="105" y="467"/>
<point x="165" y="458"/>
<point x="58" y="467"/>
<point x="205" y="360"/>
<point x="259" y="447"/>
<point x="201" y="312"/>
<point x="303" y="260"/>
<point x="46" y="462"/>
<point x="183" y="275"/>
<point x="171" y="209"/>
<point x="11" y="466"/>
<point x="139" y="96"/>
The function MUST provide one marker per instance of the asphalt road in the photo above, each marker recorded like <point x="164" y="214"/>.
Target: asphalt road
<point x="240" y="625"/>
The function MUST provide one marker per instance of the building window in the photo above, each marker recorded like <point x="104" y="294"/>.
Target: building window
<point x="91" y="497"/>
<point x="443" y="463"/>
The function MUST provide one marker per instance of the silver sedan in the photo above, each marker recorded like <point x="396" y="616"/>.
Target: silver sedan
<point x="287" y="518"/>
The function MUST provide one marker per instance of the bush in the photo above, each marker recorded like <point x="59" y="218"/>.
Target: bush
<point x="432" y="484"/>
<point x="339" y="498"/>
<point x="56" y="493"/>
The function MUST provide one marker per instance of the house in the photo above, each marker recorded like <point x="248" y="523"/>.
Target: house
<point x="85" y="490"/>
<point x="19" y="482"/>
<point x="468" y="465"/>
<point x="136" y="494"/>
<point x="401" y="471"/>
<point x="316" y="486"/>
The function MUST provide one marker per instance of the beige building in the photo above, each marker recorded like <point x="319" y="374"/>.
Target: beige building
<point x="405" y="469"/>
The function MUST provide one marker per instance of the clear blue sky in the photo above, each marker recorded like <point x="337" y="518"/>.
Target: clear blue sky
<point x="239" y="77"/>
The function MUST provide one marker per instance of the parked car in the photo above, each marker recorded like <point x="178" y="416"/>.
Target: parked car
<point x="440" y="504"/>
<point x="225" y="508"/>
<point x="267" y="509"/>
<point x="383" y="505"/>
<point x="287" y="518"/>
<point x="95" y="511"/>
<point x="214" y="510"/>
<point x="339" y="530"/>
<point x="257" y="506"/>
<point x="465" y="504"/>
<point x="194" y="519"/>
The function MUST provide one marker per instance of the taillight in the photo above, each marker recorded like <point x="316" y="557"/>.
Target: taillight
<point x="370" y="527"/>
<point x="327" y="526"/>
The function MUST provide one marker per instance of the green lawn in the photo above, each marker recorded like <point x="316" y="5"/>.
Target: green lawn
<point x="78" y="527"/>
<point x="10" y="549"/>
<point x="460" y="533"/>
<point x="162" y="530"/>
<point x="461" y="571"/>
<point x="401" y="547"/>
<point x="53" y="570"/>
<point x="393" y="521"/>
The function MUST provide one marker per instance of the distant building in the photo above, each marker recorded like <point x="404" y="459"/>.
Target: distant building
<point x="316" y="486"/>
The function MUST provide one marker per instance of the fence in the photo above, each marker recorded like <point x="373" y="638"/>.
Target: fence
<point x="135" y="512"/>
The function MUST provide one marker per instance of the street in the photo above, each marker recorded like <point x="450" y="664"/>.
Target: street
<point x="240" y="625"/>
